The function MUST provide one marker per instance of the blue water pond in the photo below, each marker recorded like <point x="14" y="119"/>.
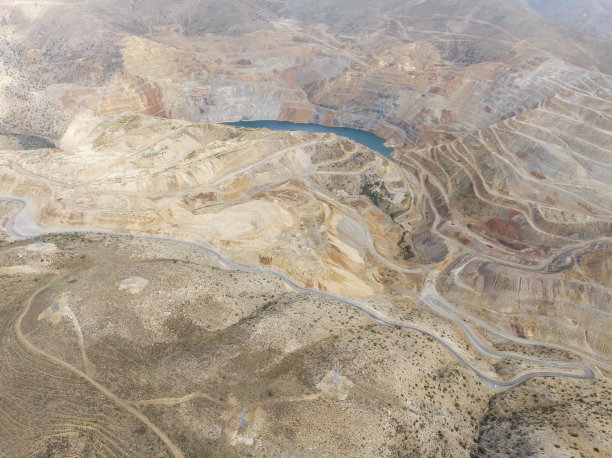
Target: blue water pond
<point x="368" y="139"/>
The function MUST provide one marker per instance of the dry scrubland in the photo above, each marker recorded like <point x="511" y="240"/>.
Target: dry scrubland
<point x="231" y="363"/>
<point x="334" y="216"/>
<point x="205" y="360"/>
<point x="494" y="212"/>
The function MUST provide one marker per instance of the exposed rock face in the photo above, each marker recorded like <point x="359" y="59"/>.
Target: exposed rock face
<point x="491" y="225"/>
<point x="408" y="71"/>
<point x="549" y="308"/>
<point x="540" y="232"/>
<point x="263" y="198"/>
<point x="501" y="121"/>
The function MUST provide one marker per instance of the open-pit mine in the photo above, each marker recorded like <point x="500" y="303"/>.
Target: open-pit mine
<point x="177" y="281"/>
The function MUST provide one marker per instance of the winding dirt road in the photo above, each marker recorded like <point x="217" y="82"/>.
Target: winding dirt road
<point x="429" y="295"/>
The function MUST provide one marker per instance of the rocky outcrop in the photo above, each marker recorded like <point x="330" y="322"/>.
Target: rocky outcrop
<point x="276" y="199"/>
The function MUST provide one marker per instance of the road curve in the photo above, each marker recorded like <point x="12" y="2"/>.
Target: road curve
<point x="10" y="223"/>
<point x="499" y="385"/>
<point x="441" y="306"/>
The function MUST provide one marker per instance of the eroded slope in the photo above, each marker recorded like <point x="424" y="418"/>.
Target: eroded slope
<point x="171" y="353"/>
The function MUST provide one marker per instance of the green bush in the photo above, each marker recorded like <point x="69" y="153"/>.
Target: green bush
<point x="30" y="141"/>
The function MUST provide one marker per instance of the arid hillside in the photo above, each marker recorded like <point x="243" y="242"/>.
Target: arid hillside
<point x="410" y="71"/>
<point x="126" y="346"/>
<point x="589" y="16"/>
<point x="209" y="290"/>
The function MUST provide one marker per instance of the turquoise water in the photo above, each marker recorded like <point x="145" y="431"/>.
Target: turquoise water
<point x="368" y="139"/>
